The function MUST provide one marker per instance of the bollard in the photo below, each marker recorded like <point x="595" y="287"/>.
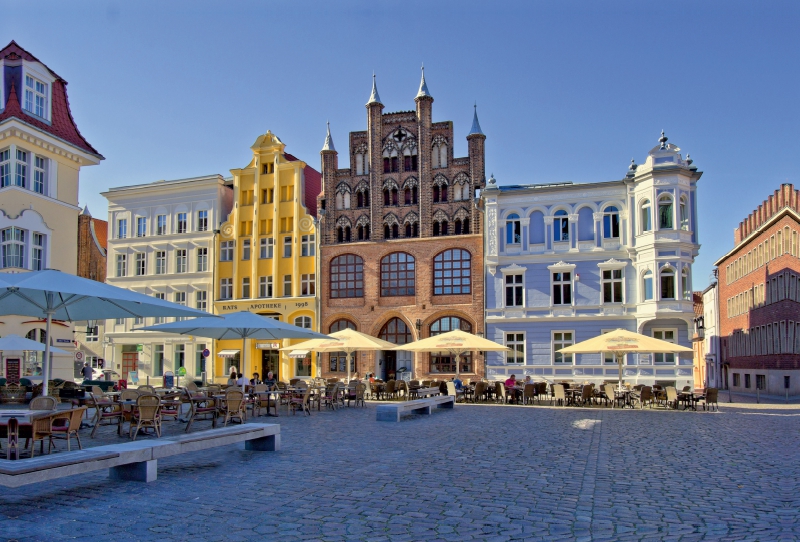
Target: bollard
<point x="13" y="439"/>
<point x="758" y="395"/>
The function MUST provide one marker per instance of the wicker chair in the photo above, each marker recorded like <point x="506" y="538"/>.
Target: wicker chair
<point x="529" y="393"/>
<point x="329" y="396"/>
<point x="390" y="392"/>
<point x="205" y="407"/>
<point x="558" y="394"/>
<point x="107" y="413"/>
<point x="587" y="394"/>
<point x="69" y="429"/>
<point x="646" y="396"/>
<point x="672" y="397"/>
<point x="264" y="401"/>
<point x="41" y="429"/>
<point x="451" y="390"/>
<point x="710" y="398"/>
<point x="43" y="402"/>
<point x="500" y="393"/>
<point x="234" y="406"/>
<point x="145" y="388"/>
<point x="480" y="392"/>
<point x="303" y="402"/>
<point x="361" y="391"/>
<point x="146" y="414"/>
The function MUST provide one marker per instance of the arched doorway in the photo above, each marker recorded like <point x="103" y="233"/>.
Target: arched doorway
<point x="446" y="363"/>
<point x="394" y="331"/>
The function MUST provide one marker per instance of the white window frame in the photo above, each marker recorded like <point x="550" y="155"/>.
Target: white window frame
<point x="686" y="289"/>
<point x="202" y="259"/>
<point x="514" y="285"/>
<point x="303" y="322"/>
<point x="515" y="341"/>
<point x="265" y="287"/>
<point x="202" y="220"/>
<point x="287" y="246"/>
<point x="612" y="265"/>
<point x="308" y="284"/>
<point x="181" y="261"/>
<point x="38" y="241"/>
<point x="663" y="198"/>
<point x="563" y="344"/>
<point x="246" y="244"/>
<point x="307" y="245"/>
<point x="161" y="262"/>
<point x="122" y="265"/>
<point x="160" y="319"/>
<point x="559" y="228"/>
<point x="161" y="229"/>
<point x="40" y="174"/>
<point x="562" y="268"/>
<point x="287" y="286"/>
<point x="646" y="203"/>
<point x="664" y="357"/>
<point x="642" y="281"/>
<point x="140" y="263"/>
<point x="182" y="223"/>
<point x="226" y="249"/>
<point x="201" y="300"/>
<point x="683" y="214"/>
<point x="226" y="288"/>
<point x="34" y="92"/>
<point x="513" y="223"/>
<point x="605" y="360"/>
<point x="661" y="276"/>
<point x="267" y="249"/>
<point x="246" y="291"/>
<point x="608" y="216"/>
<point x="141" y="226"/>
<point x="122" y="228"/>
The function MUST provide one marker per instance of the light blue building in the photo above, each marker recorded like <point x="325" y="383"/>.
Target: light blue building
<point x="566" y="262"/>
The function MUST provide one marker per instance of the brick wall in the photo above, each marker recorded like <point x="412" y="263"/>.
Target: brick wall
<point x="91" y="261"/>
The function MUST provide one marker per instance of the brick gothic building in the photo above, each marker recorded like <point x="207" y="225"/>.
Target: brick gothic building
<point x="92" y="237"/>
<point x="759" y="299"/>
<point x="401" y="240"/>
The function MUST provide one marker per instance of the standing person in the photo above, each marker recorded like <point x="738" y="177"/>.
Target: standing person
<point x="86" y="371"/>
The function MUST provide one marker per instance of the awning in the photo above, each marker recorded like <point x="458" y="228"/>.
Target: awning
<point x="298" y="353"/>
<point x="227" y="353"/>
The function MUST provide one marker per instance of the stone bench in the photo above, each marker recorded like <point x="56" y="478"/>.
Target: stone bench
<point x="427" y="392"/>
<point x="137" y="460"/>
<point x="391" y="412"/>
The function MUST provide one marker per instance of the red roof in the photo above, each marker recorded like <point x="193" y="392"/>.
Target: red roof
<point x="101" y="232"/>
<point x="697" y="301"/>
<point x="312" y="186"/>
<point x="61" y="125"/>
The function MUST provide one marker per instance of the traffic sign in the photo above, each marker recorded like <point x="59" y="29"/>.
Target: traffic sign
<point x="206" y="353"/>
<point x="79" y="356"/>
<point x="181" y="371"/>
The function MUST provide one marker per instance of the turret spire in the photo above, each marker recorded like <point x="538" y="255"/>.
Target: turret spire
<point x="476" y="126"/>
<point x="423" y="87"/>
<point x="374" y="98"/>
<point x="328" y="146"/>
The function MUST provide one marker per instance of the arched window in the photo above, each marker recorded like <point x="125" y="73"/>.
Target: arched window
<point x="397" y="274"/>
<point x="647" y="224"/>
<point x="408" y="229"/>
<point x="395" y="331"/>
<point x="452" y="272"/>
<point x="647" y="285"/>
<point x="610" y="223"/>
<point x="446" y="363"/>
<point x="391" y="163"/>
<point x="347" y="276"/>
<point x="363" y="232"/>
<point x="342" y="197"/>
<point x="457" y="227"/>
<point x="37" y="335"/>
<point x="411" y="195"/>
<point x="362" y="197"/>
<point x="665" y="213"/>
<point x="439" y="152"/>
<point x="410" y="159"/>
<point x="338" y="361"/>
<point x="303" y="321"/>
<point x="561" y="226"/>
<point x="465" y="226"/>
<point x="386" y="231"/>
<point x="667" y="283"/>
<point x="513" y="229"/>
<point x="684" y="212"/>
<point x="362" y="160"/>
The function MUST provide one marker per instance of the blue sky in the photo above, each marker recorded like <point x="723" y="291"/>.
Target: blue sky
<point x="566" y="91"/>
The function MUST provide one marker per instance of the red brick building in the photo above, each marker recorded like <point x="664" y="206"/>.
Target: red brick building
<point x="401" y="244"/>
<point x="759" y="297"/>
<point x="92" y="239"/>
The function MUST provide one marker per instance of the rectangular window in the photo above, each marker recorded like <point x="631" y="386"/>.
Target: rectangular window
<point x="608" y="357"/>
<point x="180" y="356"/>
<point x="747" y="380"/>
<point x="201" y="300"/>
<point x="122" y="228"/>
<point x="287" y="193"/>
<point x="141" y="226"/>
<point x="670" y="336"/>
<point x="202" y="260"/>
<point x="246" y="288"/>
<point x="13" y="247"/>
<point x="267" y="247"/>
<point x="158" y="360"/>
<point x="245" y="249"/>
<point x="5" y="168"/>
<point x="308" y="284"/>
<point x="287" y="246"/>
<point x="199" y="359"/>
<point x="180" y="261"/>
<point x="162" y="297"/>
<point x="37" y="254"/>
<point x="226" y="288"/>
<point x="180" y="299"/>
<point x="141" y="264"/>
<point x="737" y="380"/>
<point x="21" y="178"/>
<point x="161" y="262"/>
<point x="122" y="265"/>
<point x="514" y="291"/>
<point x="287" y="223"/>
<point x="35" y="97"/>
<point x="161" y="225"/>
<point x="516" y="342"/>
<point x="202" y="220"/>
<point x="226" y="251"/>
<point x="307" y="245"/>
<point x="264" y="286"/>
<point x="92" y="335"/>
<point x="562" y="339"/>
<point x="761" y="382"/>
<point x="39" y="174"/>
<point x="562" y="288"/>
<point x="287" y="286"/>
<point x="612" y="286"/>
<point x="182" y="224"/>
<point x="267" y="195"/>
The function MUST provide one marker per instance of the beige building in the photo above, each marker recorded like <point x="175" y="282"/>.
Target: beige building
<point x="41" y="155"/>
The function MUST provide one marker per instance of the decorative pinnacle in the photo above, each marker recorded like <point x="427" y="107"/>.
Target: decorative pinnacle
<point x="492" y="180"/>
<point x="476" y="126"/>
<point x="663" y="140"/>
<point x="328" y="146"/>
<point x="423" y="87"/>
<point x="689" y="159"/>
<point x="374" y="98"/>
<point x="633" y="165"/>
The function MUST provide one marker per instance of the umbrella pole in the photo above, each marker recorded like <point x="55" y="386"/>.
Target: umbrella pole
<point x="349" y="357"/>
<point x="458" y="363"/>
<point x="619" y="361"/>
<point x="244" y="357"/>
<point x="46" y="361"/>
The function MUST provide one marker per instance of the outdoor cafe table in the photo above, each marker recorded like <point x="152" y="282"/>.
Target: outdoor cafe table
<point x="690" y="398"/>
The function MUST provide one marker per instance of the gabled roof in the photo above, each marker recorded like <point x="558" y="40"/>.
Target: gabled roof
<point x="61" y="125"/>
<point x="312" y="186"/>
<point x="100" y="230"/>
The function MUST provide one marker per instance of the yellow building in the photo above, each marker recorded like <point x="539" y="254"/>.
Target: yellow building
<point x="266" y="258"/>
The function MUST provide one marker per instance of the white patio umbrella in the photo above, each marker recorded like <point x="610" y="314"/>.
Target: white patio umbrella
<point x="237" y="325"/>
<point x="54" y="295"/>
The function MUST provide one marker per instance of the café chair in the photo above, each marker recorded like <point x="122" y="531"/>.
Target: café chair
<point x="146" y="415"/>
<point x="65" y="431"/>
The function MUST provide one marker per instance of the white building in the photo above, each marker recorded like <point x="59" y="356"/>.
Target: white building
<point x="714" y="377"/>
<point x="161" y="243"/>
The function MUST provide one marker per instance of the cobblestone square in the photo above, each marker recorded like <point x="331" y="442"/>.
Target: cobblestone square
<point x="475" y="472"/>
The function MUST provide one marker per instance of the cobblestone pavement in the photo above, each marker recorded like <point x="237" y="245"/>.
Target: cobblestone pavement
<point x="476" y="472"/>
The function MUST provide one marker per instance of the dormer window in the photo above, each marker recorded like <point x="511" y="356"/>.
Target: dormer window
<point x="36" y="97"/>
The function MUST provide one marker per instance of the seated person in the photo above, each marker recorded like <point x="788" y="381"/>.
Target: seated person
<point x="270" y="381"/>
<point x="458" y="384"/>
<point x="255" y="380"/>
<point x="241" y="380"/>
<point x="510" y="383"/>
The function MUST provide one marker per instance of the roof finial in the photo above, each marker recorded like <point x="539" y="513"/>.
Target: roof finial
<point x="476" y="126"/>
<point x="492" y="180"/>
<point x="663" y="140"/>
<point x="423" y="87"/>
<point x="328" y="146"/>
<point x="374" y="98"/>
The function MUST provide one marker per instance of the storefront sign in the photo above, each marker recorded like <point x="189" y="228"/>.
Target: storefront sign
<point x="268" y="346"/>
<point x="12" y="371"/>
<point x="275" y="306"/>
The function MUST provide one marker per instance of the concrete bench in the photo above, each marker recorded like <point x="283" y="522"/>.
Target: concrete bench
<point x="137" y="460"/>
<point x="391" y="412"/>
<point x="427" y="392"/>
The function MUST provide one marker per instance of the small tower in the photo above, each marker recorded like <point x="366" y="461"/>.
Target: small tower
<point x="329" y="158"/>
<point x="476" y="142"/>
